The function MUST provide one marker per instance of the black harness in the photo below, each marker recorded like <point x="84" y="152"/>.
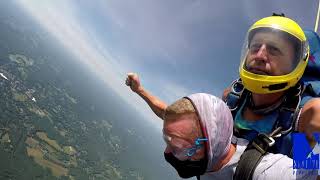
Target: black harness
<point x="278" y="141"/>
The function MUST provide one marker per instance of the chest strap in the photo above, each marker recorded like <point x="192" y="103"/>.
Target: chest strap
<point x="253" y="154"/>
<point x="263" y="143"/>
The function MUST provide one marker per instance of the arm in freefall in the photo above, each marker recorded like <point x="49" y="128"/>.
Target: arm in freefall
<point x="156" y="104"/>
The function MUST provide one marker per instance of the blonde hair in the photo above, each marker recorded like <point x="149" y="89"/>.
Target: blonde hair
<point x="182" y="106"/>
<point x="179" y="108"/>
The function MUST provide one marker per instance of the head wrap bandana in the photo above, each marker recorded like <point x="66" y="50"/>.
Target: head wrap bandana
<point x="216" y="119"/>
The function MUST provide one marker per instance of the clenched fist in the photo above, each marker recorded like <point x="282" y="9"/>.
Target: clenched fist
<point x="133" y="81"/>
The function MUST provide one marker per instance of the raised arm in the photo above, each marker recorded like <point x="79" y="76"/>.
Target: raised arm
<point x="156" y="104"/>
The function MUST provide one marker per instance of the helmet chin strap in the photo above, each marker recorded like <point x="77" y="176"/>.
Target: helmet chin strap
<point x="264" y="109"/>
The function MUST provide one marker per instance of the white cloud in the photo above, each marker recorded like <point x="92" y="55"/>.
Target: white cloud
<point x="163" y="28"/>
<point x="172" y="91"/>
<point x="172" y="30"/>
<point x="302" y="12"/>
<point x="59" y="21"/>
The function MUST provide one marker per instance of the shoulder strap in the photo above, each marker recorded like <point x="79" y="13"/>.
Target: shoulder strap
<point x="263" y="143"/>
<point x="253" y="154"/>
<point x="235" y="96"/>
<point x="289" y="110"/>
<point x="260" y="146"/>
<point x="248" y="162"/>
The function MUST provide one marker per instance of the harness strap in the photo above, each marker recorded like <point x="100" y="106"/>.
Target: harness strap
<point x="247" y="164"/>
<point x="286" y="122"/>
<point x="289" y="110"/>
<point x="253" y="154"/>
<point x="236" y="96"/>
<point x="288" y="105"/>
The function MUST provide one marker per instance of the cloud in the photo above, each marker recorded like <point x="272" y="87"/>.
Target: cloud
<point x="68" y="31"/>
<point x="176" y="31"/>
<point x="172" y="91"/>
<point x="303" y="12"/>
<point x="197" y="39"/>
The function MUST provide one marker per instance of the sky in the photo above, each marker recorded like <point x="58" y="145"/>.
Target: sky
<point x="178" y="47"/>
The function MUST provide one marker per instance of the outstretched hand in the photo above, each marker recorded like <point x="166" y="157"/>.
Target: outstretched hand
<point x="133" y="82"/>
<point x="156" y="104"/>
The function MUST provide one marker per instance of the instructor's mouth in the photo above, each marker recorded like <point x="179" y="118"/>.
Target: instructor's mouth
<point x="258" y="71"/>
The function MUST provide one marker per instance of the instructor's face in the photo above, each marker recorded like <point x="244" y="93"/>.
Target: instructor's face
<point x="270" y="54"/>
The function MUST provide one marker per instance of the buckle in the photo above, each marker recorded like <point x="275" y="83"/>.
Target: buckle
<point x="263" y="142"/>
<point x="266" y="139"/>
<point x="232" y="101"/>
<point x="235" y="94"/>
<point x="237" y="87"/>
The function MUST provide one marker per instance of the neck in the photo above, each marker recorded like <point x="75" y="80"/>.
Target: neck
<point x="266" y="99"/>
<point x="226" y="158"/>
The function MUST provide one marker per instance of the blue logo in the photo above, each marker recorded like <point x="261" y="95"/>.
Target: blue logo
<point x="305" y="156"/>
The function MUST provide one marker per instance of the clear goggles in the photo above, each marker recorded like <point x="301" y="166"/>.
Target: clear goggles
<point x="183" y="149"/>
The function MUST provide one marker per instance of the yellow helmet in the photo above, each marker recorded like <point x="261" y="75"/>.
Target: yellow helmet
<point x="268" y="41"/>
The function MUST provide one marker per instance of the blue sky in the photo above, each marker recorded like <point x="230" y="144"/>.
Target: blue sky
<point x="178" y="47"/>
